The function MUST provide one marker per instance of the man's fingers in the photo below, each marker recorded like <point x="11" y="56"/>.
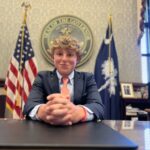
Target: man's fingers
<point x="60" y="112"/>
<point x="65" y="120"/>
<point x="59" y="100"/>
<point x="57" y="109"/>
<point x="52" y="96"/>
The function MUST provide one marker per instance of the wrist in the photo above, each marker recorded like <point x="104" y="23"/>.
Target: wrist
<point x="84" y="114"/>
<point x="40" y="112"/>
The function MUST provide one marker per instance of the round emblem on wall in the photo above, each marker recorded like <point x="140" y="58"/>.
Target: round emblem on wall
<point x="76" y="27"/>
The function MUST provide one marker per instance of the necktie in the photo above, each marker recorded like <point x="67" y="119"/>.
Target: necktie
<point x="64" y="90"/>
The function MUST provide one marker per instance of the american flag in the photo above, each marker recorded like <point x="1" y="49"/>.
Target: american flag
<point x="21" y="74"/>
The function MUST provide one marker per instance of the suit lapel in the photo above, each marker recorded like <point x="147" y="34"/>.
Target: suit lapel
<point x="78" y="87"/>
<point x="54" y="83"/>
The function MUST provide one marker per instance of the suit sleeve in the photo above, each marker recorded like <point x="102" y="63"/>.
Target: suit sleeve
<point x="37" y="95"/>
<point x="92" y="97"/>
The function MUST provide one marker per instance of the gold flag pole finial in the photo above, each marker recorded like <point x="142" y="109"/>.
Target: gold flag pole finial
<point x="110" y="17"/>
<point x="26" y="6"/>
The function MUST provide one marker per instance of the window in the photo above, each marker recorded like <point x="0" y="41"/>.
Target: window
<point x="145" y="45"/>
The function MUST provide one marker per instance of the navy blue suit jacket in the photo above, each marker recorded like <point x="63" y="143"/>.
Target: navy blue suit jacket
<point x="85" y="91"/>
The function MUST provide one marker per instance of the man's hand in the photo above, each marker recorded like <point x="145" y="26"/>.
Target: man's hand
<point x="59" y="110"/>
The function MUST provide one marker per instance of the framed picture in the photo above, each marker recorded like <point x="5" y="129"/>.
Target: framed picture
<point x="141" y="91"/>
<point x="127" y="90"/>
<point x="127" y="124"/>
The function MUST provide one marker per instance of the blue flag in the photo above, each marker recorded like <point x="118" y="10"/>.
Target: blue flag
<point x="107" y="77"/>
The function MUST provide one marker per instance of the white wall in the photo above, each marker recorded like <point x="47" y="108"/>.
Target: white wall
<point x="93" y="12"/>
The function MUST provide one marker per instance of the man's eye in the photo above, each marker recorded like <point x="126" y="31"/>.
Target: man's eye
<point x="59" y="54"/>
<point x="70" y="55"/>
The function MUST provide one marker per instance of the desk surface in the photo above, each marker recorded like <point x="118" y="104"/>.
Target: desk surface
<point x="138" y="131"/>
<point x="23" y="134"/>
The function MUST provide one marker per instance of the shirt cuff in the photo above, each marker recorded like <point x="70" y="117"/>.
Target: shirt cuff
<point x="33" y="113"/>
<point x="89" y="113"/>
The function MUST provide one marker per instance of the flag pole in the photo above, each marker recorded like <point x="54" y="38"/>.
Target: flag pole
<point x="109" y="53"/>
<point x="109" y="49"/>
<point x="26" y="7"/>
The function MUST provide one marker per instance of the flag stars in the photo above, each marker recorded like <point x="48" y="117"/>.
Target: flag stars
<point x="25" y="52"/>
<point x="17" y="56"/>
<point x="26" y="47"/>
<point x="29" y="54"/>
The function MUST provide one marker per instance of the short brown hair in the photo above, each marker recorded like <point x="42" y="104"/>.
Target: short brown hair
<point x="66" y="42"/>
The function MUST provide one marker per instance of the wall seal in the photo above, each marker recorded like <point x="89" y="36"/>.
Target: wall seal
<point x="76" y="28"/>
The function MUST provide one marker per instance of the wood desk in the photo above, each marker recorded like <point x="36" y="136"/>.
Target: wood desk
<point x="23" y="134"/>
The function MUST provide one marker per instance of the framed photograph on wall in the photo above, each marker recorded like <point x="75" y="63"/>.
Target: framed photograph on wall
<point x="127" y="90"/>
<point x="141" y="91"/>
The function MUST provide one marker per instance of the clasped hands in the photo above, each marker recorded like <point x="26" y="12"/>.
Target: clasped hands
<point x="59" y="110"/>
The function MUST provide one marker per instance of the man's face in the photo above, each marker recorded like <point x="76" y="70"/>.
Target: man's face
<point x="65" y="61"/>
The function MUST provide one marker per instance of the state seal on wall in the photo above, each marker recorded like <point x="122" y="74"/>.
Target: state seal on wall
<point x="72" y="25"/>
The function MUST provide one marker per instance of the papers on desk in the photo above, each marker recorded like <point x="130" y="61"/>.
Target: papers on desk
<point x="135" y="113"/>
<point x="130" y="111"/>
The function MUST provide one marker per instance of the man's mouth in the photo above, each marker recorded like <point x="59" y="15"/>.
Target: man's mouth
<point x="63" y="65"/>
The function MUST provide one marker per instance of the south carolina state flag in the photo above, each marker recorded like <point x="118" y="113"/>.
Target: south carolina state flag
<point x="107" y="76"/>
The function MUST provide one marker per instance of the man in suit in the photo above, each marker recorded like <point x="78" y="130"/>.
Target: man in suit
<point x="47" y="100"/>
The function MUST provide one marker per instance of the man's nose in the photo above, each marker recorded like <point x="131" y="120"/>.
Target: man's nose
<point x="64" y="57"/>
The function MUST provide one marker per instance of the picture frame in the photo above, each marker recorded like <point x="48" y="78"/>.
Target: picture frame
<point x="127" y="124"/>
<point x="141" y="91"/>
<point x="127" y="90"/>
